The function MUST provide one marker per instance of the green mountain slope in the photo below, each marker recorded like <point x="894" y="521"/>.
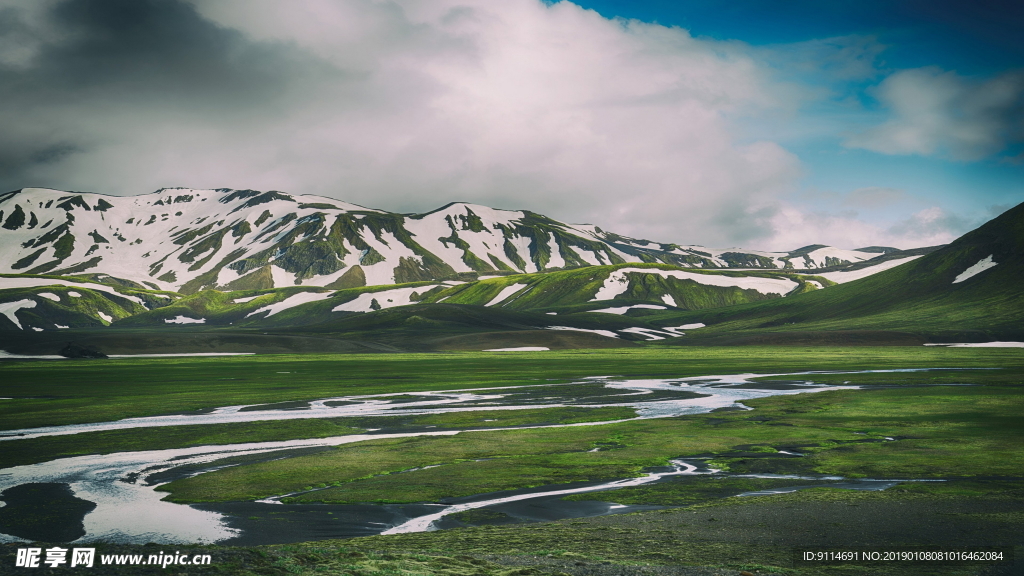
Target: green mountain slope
<point x="935" y="296"/>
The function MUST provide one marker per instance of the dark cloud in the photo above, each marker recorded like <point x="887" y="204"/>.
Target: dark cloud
<point x="128" y="64"/>
<point x="158" y="49"/>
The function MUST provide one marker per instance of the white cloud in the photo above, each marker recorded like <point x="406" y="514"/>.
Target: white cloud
<point x="406" y="105"/>
<point x="938" y="112"/>
<point x="409" y="105"/>
<point x="793" y="227"/>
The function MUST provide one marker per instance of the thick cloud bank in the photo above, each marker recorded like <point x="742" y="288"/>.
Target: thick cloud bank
<point x="402" y="106"/>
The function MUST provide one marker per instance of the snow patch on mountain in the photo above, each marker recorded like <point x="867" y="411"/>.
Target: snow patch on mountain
<point x="979" y="267"/>
<point x="982" y="345"/>
<point x="186" y="239"/>
<point x="184" y="320"/>
<point x="620" y="310"/>
<point x="291" y="302"/>
<point x="668" y="299"/>
<point x="9" y="308"/>
<point x="49" y="296"/>
<point x="617" y="282"/>
<point x="6" y="283"/>
<point x="649" y="333"/>
<point x="607" y="333"/>
<point x="246" y="299"/>
<point x="506" y="292"/>
<point x="841" y="277"/>
<point x="520" y="349"/>
<point x="384" y="299"/>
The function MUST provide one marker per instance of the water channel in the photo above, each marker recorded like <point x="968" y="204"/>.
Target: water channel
<point x="118" y="502"/>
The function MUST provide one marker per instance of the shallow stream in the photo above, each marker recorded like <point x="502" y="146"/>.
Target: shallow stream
<point x="127" y="509"/>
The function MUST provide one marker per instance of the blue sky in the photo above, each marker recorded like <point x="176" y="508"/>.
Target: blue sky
<point x="750" y="123"/>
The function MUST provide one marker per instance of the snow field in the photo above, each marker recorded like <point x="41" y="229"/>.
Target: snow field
<point x="979" y="267"/>
<point x="384" y="298"/>
<point x="291" y="302"/>
<point x="617" y="282"/>
<point x="184" y="320"/>
<point x="607" y="333"/>
<point x="983" y="345"/>
<point x="520" y="349"/>
<point x="9" y="308"/>
<point x="506" y="292"/>
<point x="6" y="283"/>
<point x="650" y="334"/>
<point x="620" y="310"/>
<point x="841" y="277"/>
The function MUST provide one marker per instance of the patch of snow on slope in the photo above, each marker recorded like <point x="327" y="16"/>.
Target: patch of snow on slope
<point x="37" y="329"/>
<point x="819" y="256"/>
<point x="246" y="299"/>
<point x="291" y="302"/>
<point x="978" y="268"/>
<point x="841" y="277"/>
<point x="607" y="333"/>
<point x="620" y="310"/>
<point x="983" y="345"/>
<point x="282" y="278"/>
<point x="6" y="354"/>
<point x="675" y="330"/>
<point x="506" y="292"/>
<point x="37" y="282"/>
<point x="520" y="349"/>
<point x="668" y="299"/>
<point x="617" y="282"/>
<point x="184" y="320"/>
<point x="9" y="308"/>
<point x="650" y="334"/>
<point x="49" y="296"/>
<point x="105" y="317"/>
<point x="556" y="260"/>
<point x="384" y="298"/>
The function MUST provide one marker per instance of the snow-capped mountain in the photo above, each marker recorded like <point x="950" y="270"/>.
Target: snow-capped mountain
<point x="187" y="240"/>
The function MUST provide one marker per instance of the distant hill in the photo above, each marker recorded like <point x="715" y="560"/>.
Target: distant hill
<point x="969" y="290"/>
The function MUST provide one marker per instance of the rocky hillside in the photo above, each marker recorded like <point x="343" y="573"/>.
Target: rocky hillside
<point x="187" y="240"/>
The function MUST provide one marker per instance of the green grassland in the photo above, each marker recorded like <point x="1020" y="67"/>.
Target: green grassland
<point x="18" y="452"/>
<point x="842" y="432"/>
<point x="76" y="391"/>
<point x="961" y="425"/>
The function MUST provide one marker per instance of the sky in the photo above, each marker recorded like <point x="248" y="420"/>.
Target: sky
<point x="761" y="124"/>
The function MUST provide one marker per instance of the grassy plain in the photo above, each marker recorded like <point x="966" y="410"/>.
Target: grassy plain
<point x="49" y="393"/>
<point x="938" y="431"/>
<point x="970" y="433"/>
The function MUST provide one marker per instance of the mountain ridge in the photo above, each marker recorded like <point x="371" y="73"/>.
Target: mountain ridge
<point x="187" y="240"/>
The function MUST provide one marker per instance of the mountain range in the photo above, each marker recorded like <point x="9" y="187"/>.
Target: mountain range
<point x="188" y="240"/>
<point x="223" y="270"/>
